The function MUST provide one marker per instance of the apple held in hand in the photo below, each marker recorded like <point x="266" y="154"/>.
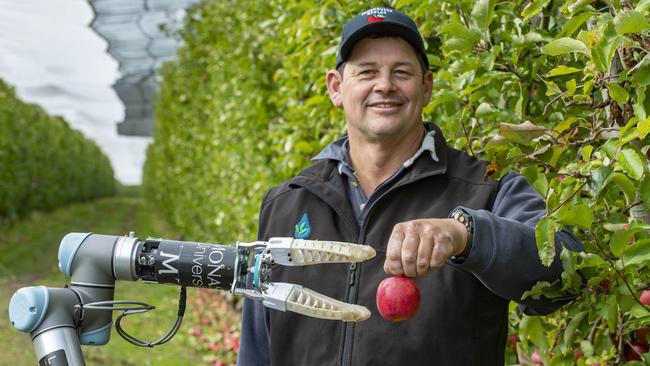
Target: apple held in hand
<point x="398" y="298"/>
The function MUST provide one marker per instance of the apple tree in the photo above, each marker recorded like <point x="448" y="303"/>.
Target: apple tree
<point x="553" y="89"/>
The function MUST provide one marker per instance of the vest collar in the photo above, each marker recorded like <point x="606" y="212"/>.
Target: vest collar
<point x="326" y="164"/>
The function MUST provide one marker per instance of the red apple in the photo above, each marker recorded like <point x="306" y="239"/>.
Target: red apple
<point x="577" y="354"/>
<point x="645" y="297"/>
<point x="398" y="298"/>
<point x="633" y="351"/>
<point x="196" y="331"/>
<point x="642" y="335"/>
<point x="513" y="339"/>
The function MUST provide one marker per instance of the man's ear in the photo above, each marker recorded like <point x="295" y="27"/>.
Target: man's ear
<point x="428" y="86"/>
<point x="334" y="80"/>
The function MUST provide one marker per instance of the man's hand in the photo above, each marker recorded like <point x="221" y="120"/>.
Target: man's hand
<point x="419" y="246"/>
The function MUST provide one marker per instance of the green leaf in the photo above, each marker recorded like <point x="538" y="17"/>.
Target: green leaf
<point x="639" y="75"/>
<point x="458" y="37"/>
<point x="630" y="21"/>
<point x="482" y="13"/>
<point x="541" y="184"/>
<point x="574" y="6"/>
<point x="612" y="312"/>
<point x="639" y="106"/>
<point x="590" y="260"/>
<point x="533" y="8"/>
<point x="567" y="123"/>
<point x="644" y="191"/>
<point x="532" y="327"/>
<point x="515" y="153"/>
<point x="620" y="239"/>
<point x="643" y="128"/>
<point x="573" y="325"/>
<point x="571" y="87"/>
<point x="586" y="151"/>
<point x="626" y="185"/>
<point x="618" y="93"/>
<point x="402" y="3"/>
<point x="545" y="237"/>
<point x="597" y="181"/>
<point x="496" y="141"/>
<point x="576" y="215"/>
<point x="487" y="60"/>
<point x="628" y="132"/>
<point x="564" y="45"/>
<point x="522" y="133"/>
<point x="642" y="6"/>
<point x="562" y="70"/>
<point x="574" y="23"/>
<point x="552" y="88"/>
<point x="638" y="253"/>
<point x="483" y="110"/>
<point x="632" y="163"/>
<point x="546" y="289"/>
<point x="603" y="52"/>
<point x="638" y="311"/>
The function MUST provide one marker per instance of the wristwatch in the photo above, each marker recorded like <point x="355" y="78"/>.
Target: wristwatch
<point x="462" y="216"/>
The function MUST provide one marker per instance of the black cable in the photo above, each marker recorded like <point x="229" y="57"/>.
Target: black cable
<point x="138" y="309"/>
<point x="170" y="334"/>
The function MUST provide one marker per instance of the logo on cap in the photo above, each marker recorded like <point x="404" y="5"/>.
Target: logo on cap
<point x="372" y="19"/>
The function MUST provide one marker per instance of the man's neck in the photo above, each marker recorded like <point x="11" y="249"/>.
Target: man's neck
<point x="376" y="160"/>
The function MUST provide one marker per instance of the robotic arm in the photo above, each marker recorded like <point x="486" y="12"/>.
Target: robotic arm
<point x="61" y="319"/>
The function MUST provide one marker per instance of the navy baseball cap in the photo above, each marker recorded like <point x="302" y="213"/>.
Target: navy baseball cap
<point x="385" y="21"/>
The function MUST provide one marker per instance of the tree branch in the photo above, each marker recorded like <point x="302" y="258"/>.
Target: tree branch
<point x="613" y="266"/>
<point x="567" y="199"/>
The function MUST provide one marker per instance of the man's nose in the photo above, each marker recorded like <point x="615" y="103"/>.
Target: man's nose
<point x="384" y="83"/>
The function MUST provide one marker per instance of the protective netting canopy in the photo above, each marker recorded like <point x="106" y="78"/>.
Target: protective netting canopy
<point x="140" y="37"/>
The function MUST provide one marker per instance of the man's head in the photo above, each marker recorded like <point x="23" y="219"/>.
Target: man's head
<point x="384" y="85"/>
<point x="378" y="22"/>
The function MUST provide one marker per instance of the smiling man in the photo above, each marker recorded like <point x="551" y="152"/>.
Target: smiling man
<point x="393" y="183"/>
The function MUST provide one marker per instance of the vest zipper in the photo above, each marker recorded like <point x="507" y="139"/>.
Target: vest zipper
<point x="353" y="278"/>
<point x="353" y="268"/>
<point x="348" y="328"/>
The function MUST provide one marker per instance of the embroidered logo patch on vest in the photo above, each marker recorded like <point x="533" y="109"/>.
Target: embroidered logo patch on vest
<point x="302" y="228"/>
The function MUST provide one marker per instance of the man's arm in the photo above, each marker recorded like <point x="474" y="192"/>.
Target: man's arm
<point x="254" y="338"/>
<point x="254" y="341"/>
<point x="504" y="253"/>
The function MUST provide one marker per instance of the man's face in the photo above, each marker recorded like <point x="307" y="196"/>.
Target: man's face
<point x="382" y="89"/>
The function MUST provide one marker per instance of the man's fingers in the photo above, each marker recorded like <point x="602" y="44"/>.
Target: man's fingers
<point x="410" y="246"/>
<point x="425" y="251"/>
<point x="416" y="247"/>
<point x="441" y="252"/>
<point x="393" y="263"/>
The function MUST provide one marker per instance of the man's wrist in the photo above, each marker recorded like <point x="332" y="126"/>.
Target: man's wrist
<point x="464" y="218"/>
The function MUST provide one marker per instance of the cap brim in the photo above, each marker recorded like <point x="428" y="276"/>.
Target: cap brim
<point x="384" y="27"/>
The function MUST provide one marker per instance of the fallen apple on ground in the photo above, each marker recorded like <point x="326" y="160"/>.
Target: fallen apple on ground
<point x="398" y="298"/>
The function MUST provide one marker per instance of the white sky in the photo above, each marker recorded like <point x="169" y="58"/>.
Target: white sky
<point x="53" y="59"/>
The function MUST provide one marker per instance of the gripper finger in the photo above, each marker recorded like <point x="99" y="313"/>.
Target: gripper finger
<point x="307" y="302"/>
<point x="300" y="252"/>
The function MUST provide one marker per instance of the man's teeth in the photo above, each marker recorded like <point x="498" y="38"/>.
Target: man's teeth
<point x="385" y="105"/>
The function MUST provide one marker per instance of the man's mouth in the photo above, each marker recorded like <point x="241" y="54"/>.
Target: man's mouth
<point x="384" y="104"/>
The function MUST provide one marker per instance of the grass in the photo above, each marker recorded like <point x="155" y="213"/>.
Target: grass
<point x="28" y="256"/>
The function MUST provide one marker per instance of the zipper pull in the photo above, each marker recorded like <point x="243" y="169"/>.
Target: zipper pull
<point x="353" y="268"/>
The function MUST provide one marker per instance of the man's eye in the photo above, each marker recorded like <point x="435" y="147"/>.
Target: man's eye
<point x="366" y="72"/>
<point x="403" y="72"/>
